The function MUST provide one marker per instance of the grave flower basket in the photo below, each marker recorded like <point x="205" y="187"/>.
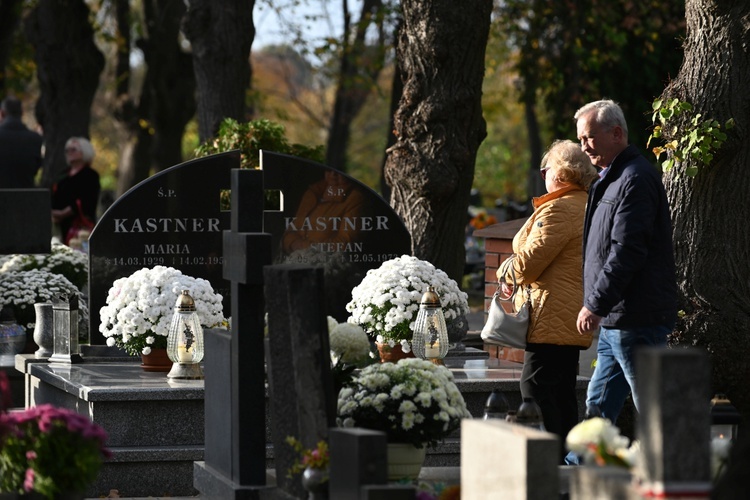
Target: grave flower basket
<point x="20" y="290"/>
<point x="415" y="402"/>
<point x="385" y="304"/>
<point x="139" y="308"/>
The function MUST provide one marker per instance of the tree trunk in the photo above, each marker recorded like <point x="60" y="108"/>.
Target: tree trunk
<point x="172" y="80"/>
<point x="710" y="211"/>
<point x="10" y="16"/>
<point x="68" y="69"/>
<point x="397" y="89"/>
<point x="535" y="185"/>
<point x="360" y="66"/>
<point x="221" y="35"/>
<point x="439" y="125"/>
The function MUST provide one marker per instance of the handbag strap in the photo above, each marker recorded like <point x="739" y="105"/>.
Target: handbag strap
<point x="503" y="271"/>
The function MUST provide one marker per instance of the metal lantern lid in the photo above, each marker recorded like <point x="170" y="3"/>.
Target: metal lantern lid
<point x="185" y="302"/>
<point x="723" y="411"/>
<point x="496" y="403"/>
<point x="430" y="299"/>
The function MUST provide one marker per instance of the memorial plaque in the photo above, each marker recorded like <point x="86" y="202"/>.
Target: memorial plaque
<point x="174" y="218"/>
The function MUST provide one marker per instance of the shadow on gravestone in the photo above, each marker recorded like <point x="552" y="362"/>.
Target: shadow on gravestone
<point x="174" y="218"/>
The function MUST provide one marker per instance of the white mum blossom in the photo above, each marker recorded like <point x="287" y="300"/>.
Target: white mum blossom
<point x="22" y="289"/>
<point x="139" y="308"/>
<point x="412" y="401"/>
<point x="349" y="343"/>
<point x="386" y="302"/>
<point x="598" y="436"/>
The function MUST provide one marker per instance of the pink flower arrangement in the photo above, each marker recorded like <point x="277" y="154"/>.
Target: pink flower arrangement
<point x="315" y="458"/>
<point x="49" y="450"/>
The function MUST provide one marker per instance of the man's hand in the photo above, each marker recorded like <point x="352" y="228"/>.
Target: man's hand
<point x="587" y="322"/>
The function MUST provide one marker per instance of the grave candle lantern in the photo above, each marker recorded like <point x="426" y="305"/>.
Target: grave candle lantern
<point x="725" y="419"/>
<point x="430" y="340"/>
<point x="185" y="340"/>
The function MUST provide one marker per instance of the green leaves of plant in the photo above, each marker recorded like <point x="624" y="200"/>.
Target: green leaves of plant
<point x="694" y="144"/>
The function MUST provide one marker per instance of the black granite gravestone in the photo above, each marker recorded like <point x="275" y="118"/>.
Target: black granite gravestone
<point x="174" y="218"/>
<point x="298" y="362"/>
<point x="25" y="221"/>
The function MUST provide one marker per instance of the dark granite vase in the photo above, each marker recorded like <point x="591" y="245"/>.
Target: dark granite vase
<point x="43" y="330"/>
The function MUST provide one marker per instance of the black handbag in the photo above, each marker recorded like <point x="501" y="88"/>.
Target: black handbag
<point x="504" y="328"/>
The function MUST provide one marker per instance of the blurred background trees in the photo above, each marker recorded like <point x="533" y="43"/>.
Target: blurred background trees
<point x="331" y="86"/>
<point x="149" y="80"/>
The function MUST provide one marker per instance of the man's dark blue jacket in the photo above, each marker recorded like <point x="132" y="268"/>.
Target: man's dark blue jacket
<point x="20" y="154"/>
<point x="628" y="261"/>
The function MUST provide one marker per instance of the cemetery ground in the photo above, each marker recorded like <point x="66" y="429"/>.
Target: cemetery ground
<point x="436" y="474"/>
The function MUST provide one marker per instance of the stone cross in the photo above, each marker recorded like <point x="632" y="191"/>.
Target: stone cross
<point x="235" y="450"/>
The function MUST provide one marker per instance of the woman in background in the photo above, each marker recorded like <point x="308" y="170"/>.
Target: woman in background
<point x="547" y="256"/>
<point x="75" y="196"/>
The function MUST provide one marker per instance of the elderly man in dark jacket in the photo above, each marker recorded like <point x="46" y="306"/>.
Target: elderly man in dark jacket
<point x="20" y="148"/>
<point x="629" y="282"/>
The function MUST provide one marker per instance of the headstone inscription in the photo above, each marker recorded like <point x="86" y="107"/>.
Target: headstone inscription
<point x="174" y="218"/>
<point x="331" y="220"/>
<point x="25" y="221"/>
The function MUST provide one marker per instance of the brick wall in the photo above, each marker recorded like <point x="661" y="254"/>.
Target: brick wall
<point x="498" y="241"/>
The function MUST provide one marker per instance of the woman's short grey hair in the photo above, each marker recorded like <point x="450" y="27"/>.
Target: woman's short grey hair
<point x="87" y="150"/>
<point x="608" y="113"/>
<point x="571" y="164"/>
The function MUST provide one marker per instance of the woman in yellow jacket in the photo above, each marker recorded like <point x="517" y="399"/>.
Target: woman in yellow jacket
<point x="547" y="256"/>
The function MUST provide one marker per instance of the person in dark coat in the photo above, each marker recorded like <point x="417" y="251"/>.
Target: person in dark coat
<point x="76" y="196"/>
<point x="629" y="280"/>
<point x="20" y="148"/>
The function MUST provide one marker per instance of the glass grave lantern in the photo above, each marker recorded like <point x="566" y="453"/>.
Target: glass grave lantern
<point x="430" y="340"/>
<point x="725" y="418"/>
<point x="185" y="340"/>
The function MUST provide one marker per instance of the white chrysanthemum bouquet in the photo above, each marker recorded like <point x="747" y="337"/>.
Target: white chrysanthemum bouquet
<point x="348" y="342"/>
<point x="413" y="401"/>
<point x="22" y="289"/>
<point x="140" y="307"/>
<point x="599" y="442"/>
<point x="350" y="349"/>
<point x="386" y="302"/>
<point x="62" y="259"/>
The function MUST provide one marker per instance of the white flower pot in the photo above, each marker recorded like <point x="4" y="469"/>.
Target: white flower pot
<point x="404" y="461"/>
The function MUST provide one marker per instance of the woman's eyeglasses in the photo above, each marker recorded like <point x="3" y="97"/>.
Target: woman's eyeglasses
<point x="71" y="150"/>
<point x="543" y="173"/>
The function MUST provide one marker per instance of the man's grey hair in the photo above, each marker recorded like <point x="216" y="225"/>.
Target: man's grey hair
<point x="608" y="113"/>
